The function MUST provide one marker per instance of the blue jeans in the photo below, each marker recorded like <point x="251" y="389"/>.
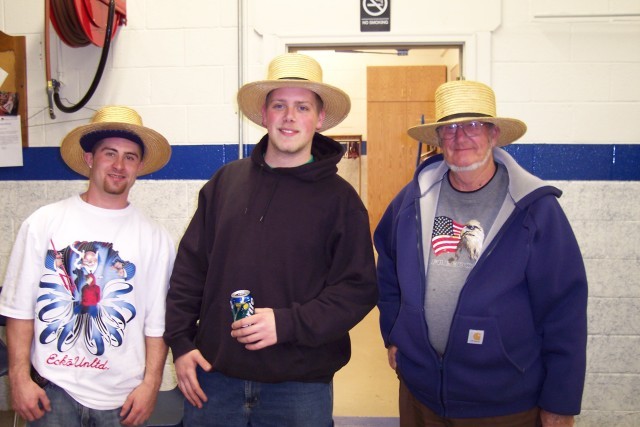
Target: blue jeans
<point x="66" y="412"/>
<point x="239" y="403"/>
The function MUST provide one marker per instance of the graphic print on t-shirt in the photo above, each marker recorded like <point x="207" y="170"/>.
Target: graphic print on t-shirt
<point x="83" y="297"/>
<point x="450" y="236"/>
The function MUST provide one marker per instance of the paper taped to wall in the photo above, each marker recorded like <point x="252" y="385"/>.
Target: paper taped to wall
<point x="10" y="141"/>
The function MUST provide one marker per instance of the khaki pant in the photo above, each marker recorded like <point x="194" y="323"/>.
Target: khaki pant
<point x="415" y="414"/>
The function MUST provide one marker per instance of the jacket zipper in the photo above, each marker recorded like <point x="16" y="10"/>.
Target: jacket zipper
<point x="484" y="256"/>
<point x="423" y="280"/>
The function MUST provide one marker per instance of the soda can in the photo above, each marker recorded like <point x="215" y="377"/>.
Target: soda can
<point x="241" y="304"/>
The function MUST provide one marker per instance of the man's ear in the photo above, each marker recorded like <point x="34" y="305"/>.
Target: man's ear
<point x="321" y="117"/>
<point x="88" y="158"/>
<point x="495" y="134"/>
<point x="264" y="115"/>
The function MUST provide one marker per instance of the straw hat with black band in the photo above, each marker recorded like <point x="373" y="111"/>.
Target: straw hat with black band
<point x="294" y="70"/>
<point x="121" y="122"/>
<point x="462" y="101"/>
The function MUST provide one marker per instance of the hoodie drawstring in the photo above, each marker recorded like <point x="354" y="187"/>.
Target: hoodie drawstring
<point x="266" y="208"/>
<point x="255" y="192"/>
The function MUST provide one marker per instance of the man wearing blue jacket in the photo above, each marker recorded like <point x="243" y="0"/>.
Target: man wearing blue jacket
<point x="483" y="291"/>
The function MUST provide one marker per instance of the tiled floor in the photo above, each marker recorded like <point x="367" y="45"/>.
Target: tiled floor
<point x="365" y="422"/>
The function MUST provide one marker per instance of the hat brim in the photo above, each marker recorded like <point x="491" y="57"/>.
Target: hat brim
<point x="157" y="150"/>
<point x="510" y="129"/>
<point x="252" y="96"/>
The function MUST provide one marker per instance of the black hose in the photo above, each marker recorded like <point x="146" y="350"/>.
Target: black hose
<point x="98" y="76"/>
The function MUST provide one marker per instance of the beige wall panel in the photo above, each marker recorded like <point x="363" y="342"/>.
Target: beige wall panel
<point x="422" y="81"/>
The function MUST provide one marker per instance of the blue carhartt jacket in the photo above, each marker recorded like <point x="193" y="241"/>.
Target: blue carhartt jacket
<point x="526" y="298"/>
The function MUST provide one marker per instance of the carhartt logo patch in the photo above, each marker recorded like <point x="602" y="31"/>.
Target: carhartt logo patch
<point x="475" y="336"/>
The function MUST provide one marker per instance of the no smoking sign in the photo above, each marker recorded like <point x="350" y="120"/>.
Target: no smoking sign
<point x="375" y="15"/>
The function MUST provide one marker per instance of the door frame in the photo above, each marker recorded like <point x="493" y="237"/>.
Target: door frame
<point x="476" y="47"/>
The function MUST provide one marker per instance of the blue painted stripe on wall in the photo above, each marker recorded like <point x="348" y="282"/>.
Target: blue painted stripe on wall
<point x="579" y="162"/>
<point x="548" y="161"/>
<point x="187" y="162"/>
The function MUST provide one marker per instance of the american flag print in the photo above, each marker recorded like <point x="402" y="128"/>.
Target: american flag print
<point x="445" y="236"/>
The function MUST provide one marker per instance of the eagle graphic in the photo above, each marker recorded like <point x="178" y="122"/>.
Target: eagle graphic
<point x="471" y="240"/>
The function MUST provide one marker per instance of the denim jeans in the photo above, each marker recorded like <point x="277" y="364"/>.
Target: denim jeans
<point x="66" y="412"/>
<point x="239" y="403"/>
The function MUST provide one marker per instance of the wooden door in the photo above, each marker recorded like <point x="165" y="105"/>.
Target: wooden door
<point x="397" y="97"/>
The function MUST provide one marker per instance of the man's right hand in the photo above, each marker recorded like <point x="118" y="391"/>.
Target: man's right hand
<point x="391" y="354"/>
<point x="29" y="400"/>
<point x="187" y="380"/>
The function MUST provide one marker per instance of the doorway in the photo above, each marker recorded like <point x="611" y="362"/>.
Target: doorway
<point x="367" y="387"/>
<point x="389" y="157"/>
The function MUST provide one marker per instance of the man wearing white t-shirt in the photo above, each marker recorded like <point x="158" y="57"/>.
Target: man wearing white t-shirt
<point x="85" y="287"/>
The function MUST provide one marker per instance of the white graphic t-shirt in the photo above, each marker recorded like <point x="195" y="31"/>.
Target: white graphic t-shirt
<point x="94" y="281"/>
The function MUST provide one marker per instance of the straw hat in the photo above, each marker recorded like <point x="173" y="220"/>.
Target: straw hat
<point x="464" y="100"/>
<point x="294" y="70"/>
<point x="115" y="121"/>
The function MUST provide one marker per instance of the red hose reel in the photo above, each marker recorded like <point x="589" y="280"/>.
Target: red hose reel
<point x="80" y="22"/>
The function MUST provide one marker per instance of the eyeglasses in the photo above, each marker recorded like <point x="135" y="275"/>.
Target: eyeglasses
<point x="471" y="129"/>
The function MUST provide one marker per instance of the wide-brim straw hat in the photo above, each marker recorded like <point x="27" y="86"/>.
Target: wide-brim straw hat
<point x="464" y="100"/>
<point x="294" y="70"/>
<point x="115" y="121"/>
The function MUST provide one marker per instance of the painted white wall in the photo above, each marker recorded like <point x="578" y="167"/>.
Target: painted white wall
<point x="568" y="78"/>
<point x="573" y="80"/>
